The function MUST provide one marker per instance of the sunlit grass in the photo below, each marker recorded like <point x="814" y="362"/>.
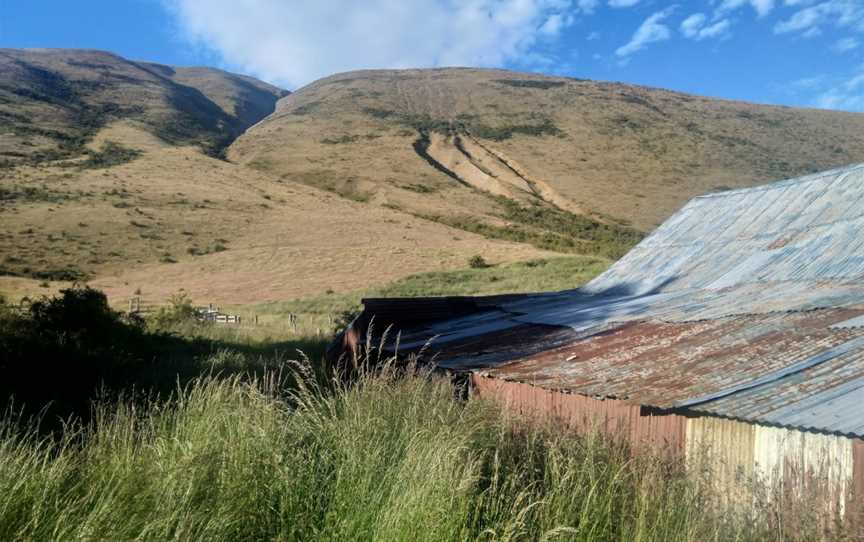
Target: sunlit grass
<point x="320" y="314"/>
<point x="391" y="457"/>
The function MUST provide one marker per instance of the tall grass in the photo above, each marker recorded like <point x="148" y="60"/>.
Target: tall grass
<point x="391" y="457"/>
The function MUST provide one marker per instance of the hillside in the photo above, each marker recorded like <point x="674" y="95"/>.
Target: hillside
<point x="131" y="203"/>
<point x="113" y="173"/>
<point x="453" y="142"/>
<point x="53" y="101"/>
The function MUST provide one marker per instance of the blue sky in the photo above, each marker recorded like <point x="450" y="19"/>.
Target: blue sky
<point x="792" y="52"/>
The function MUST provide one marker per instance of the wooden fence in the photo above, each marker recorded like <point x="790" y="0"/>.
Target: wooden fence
<point x="209" y="313"/>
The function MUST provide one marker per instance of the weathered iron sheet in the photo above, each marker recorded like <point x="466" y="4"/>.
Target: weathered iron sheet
<point x="705" y="365"/>
<point x="585" y="414"/>
<point x="807" y="229"/>
<point x="741" y="455"/>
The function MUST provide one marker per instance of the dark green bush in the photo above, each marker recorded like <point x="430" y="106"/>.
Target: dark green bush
<point x="530" y="83"/>
<point x="111" y="154"/>
<point x="57" y="353"/>
<point x="178" y="312"/>
<point x="477" y="262"/>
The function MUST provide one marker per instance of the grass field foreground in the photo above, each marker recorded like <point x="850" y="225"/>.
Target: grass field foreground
<point x="389" y="458"/>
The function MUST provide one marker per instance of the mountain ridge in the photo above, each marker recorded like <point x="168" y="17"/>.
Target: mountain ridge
<point x="55" y="100"/>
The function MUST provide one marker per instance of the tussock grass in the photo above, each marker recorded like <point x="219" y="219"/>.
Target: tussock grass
<point x="391" y="457"/>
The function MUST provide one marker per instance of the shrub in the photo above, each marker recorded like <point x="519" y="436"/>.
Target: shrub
<point x="340" y="140"/>
<point x="530" y="83"/>
<point x="111" y="154"/>
<point x="178" y="312"/>
<point x="477" y="262"/>
<point x="63" y="349"/>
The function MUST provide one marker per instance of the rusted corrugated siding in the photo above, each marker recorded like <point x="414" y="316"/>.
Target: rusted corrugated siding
<point x="735" y="456"/>
<point x="856" y="505"/>
<point x="586" y="414"/>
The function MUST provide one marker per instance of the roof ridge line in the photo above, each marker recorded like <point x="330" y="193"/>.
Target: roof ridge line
<point x="792" y="181"/>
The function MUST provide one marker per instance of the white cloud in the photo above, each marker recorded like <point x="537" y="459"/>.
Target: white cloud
<point x="807" y="83"/>
<point x="694" y="27"/>
<point x="809" y="20"/>
<point x="846" y="44"/>
<point x="762" y="7"/>
<point x="847" y="96"/>
<point x="587" y="6"/>
<point x="593" y="36"/>
<point x="622" y="3"/>
<point x="554" y="24"/>
<point x="293" y="43"/>
<point x="691" y="25"/>
<point x="652" y="30"/>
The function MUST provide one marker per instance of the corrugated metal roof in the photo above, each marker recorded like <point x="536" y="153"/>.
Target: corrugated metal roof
<point x="747" y="304"/>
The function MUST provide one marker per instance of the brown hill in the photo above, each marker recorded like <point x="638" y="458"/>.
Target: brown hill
<point x="108" y="172"/>
<point x="440" y="142"/>
<point x="104" y="180"/>
<point x="53" y="101"/>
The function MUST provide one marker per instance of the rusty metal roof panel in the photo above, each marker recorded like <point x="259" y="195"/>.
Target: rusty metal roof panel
<point x="785" y="369"/>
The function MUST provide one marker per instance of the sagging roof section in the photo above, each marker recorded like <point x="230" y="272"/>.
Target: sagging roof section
<point x="747" y="304"/>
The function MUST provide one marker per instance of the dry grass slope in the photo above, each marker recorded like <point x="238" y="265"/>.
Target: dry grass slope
<point x="175" y="218"/>
<point x="615" y="151"/>
<point x="355" y="181"/>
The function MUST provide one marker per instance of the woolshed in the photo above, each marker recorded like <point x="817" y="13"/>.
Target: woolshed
<point x="737" y="326"/>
